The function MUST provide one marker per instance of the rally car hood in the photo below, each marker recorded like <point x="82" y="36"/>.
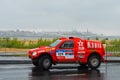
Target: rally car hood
<point x="42" y="49"/>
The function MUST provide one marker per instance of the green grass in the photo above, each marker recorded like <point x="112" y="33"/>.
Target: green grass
<point x="24" y="44"/>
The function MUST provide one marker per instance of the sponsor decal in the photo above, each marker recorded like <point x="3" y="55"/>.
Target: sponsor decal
<point x="48" y="49"/>
<point x="81" y="52"/>
<point x="68" y="50"/>
<point x="52" y="48"/>
<point x="60" y="53"/>
<point x="52" y="52"/>
<point x="41" y="51"/>
<point x="93" y="45"/>
<point x="69" y="55"/>
<point x="81" y="45"/>
<point x="65" y="54"/>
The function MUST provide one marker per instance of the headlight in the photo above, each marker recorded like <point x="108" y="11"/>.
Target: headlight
<point x="34" y="53"/>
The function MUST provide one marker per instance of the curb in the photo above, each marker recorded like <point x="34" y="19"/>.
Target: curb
<point x="30" y="62"/>
<point x="113" y="61"/>
<point x="15" y="62"/>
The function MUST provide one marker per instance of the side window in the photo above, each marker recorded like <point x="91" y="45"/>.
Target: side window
<point x="67" y="44"/>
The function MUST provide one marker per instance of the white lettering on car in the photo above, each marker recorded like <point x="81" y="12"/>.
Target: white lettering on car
<point x="94" y="45"/>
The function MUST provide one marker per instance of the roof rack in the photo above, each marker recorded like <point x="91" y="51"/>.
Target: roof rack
<point x="71" y="37"/>
<point x="74" y="38"/>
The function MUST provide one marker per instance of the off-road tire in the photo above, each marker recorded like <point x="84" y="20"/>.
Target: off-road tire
<point x="45" y="62"/>
<point x="94" y="61"/>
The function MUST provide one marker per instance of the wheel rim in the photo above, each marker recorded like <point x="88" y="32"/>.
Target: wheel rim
<point x="94" y="62"/>
<point x="46" y="63"/>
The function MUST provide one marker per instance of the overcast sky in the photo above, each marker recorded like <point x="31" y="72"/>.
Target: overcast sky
<point x="98" y="16"/>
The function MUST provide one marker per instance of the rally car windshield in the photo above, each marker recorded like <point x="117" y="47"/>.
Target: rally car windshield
<point x="55" y="43"/>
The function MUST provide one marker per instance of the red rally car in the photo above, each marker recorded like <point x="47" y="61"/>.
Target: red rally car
<point x="68" y="50"/>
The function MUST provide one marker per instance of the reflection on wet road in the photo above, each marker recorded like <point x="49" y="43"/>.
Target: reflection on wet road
<point x="110" y="71"/>
<point x="67" y="74"/>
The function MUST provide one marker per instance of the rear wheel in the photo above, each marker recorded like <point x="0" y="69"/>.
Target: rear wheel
<point x="94" y="61"/>
<point x="45" y="62"/>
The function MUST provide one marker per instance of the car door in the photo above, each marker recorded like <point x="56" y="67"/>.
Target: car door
<point x="65" y="52"/>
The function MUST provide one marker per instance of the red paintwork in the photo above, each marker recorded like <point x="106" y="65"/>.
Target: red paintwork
<point x="80" y="53"/>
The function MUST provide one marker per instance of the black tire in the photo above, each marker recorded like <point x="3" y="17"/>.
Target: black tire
<point x="35" y="62"/>
<point x="94" y="61"/>
<point x="45" y="62"/>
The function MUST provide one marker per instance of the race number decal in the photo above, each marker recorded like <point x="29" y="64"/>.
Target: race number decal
<point x="60" y="53"/>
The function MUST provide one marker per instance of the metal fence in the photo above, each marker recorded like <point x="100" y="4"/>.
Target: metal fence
<point x="113" y="50"/>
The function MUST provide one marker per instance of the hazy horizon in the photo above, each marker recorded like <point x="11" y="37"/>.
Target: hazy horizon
<point x="97" y="16"/>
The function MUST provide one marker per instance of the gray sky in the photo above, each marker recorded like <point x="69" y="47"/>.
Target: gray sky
<point x="98" y="16"/>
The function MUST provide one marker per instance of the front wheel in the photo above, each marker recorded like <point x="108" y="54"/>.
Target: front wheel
<point x="94" y="61"/>
<point x="45" y="62"/>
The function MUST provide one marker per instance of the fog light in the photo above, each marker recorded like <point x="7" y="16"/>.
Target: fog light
<point x="34" y="53"/>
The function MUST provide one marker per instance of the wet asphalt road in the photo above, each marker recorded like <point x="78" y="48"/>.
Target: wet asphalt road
<point x="109" y="71"/>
